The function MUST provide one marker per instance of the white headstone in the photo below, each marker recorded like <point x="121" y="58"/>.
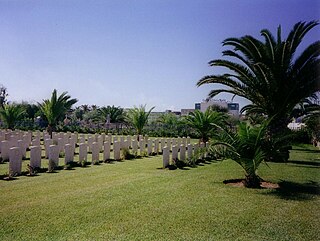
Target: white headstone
<point x="163" y="143"/>
<point x="22" y="146"/>
<point x="182" y="152"/>
<point x="103" y="135"/>
<point x="110" y="137"/>
<point x="83" y="152"/>
<point x="184" y="141"/>
<point x="69" y="154"/>
<point x="100" y="142"/>
<point x="54" y="155"/>
<point x="47" y="143"/>
<point x="165" y="157"/>
<point x="156" y="146"/>
<point x="150" y="146"/>
<point x="95" y="152"/>
<point x="61" y="145"/>
<point x="116" y="150"/>
<point x="179" y="142"/>
<point x="82" y="139"/>
<point x="35" y="142"/>
<point x="174" y="153"/>
<point x="106" y="151"/>
<point x="5" y="150"/>
<point x="90" y="142"/>
<point x="142" y="146"/>
<point x="134" y="144"/>
<point x="174" y="141"/>
<point x="122" y="142"/>
<point x="129" y="141"/>
<point x="190" y="149"/>
<point x="15" y="161"/>
<point x="169" y="144"/>
<point x="35" y="156"/>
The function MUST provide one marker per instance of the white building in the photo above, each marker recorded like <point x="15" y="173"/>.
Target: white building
<point x="233" y="108"/>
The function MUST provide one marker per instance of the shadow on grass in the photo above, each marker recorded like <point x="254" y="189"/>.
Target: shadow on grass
<point x="306" y="150"/>
<point x="305" y="163"/>
<point x="181" y="165"/>
<point x="296" y="191"/>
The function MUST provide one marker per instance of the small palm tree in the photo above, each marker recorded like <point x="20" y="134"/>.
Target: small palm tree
<point x="10" y="114"/>
<point x="202" y="122"/>
<point x="138" y="117"/>
<point x="54" y="109"/>
<point x="244" y="147"/>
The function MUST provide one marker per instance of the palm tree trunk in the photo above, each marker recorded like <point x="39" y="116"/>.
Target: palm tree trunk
<point x="278" y="128"/>
<point x="50" y="130"/>
<point x="252" y="181"/>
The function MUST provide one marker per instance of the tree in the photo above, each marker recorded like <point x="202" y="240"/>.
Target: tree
<point x="245" y="148"/>
<point x="312" y="120"/>
<point x="138" y="117"/>
<point x="202" y="122"/>
<point x="10" y="114"/>
<point x="3" y="96"/>
<point x="268" y="74"/>
<point x="31" y="111"/>
<point x="115" y="114"/>
<point x="92" y="116"/>
<point x="54" y="109"/>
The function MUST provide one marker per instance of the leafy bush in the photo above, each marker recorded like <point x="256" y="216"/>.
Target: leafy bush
<point x="126" y="155"/>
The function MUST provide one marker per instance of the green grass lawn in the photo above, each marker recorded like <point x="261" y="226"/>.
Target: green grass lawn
<point x="137" y="200"/>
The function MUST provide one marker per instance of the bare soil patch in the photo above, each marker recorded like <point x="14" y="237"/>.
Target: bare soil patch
<point x="240" y="183"/>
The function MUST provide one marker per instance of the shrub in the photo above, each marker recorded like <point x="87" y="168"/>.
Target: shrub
<point x="126" y="155"/>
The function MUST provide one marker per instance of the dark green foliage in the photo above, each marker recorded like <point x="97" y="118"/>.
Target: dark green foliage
<point x="10" y="114"/>
<point x="54" y="109"/>
<point x="114" y="114"/>
<point x="244" y="147"/>
<point x="138" y="118"/>
<point x="126" y="154"/>
<point x="268" y="74"/>
<point x="202" y="122"/>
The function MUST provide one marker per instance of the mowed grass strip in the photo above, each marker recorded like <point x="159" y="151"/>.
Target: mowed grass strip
<point x="135" y="200"/>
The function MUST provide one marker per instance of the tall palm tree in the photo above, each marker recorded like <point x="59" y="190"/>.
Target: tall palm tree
<point x="202" y="122"/>
<point x="55" y="108"/>
<point x="268" y="74"/>
<point x="10" y="114"/>
<point x="138" y="117"/>
<point x="244" y="147"/>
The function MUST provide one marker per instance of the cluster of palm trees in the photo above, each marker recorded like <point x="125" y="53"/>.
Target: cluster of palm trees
<point x="268" y="74"/>
<point x="55" y="109"/>
<point x="278" y="84"/>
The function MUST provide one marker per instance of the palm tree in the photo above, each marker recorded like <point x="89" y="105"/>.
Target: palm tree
<point x="138" y="117"/>
<point x="202" y="122"/>
<point x="268" y="74"/>
<point x="10" y="114"/>
<point x="244" y="147"/>
<point x="115" y="114"/>
<point x="54" y="109"/>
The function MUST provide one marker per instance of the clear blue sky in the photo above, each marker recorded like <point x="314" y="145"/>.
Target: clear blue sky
<point x="133" y="52"/>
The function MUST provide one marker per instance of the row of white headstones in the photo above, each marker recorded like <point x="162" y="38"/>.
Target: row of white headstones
<point x="14" y="145"/>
